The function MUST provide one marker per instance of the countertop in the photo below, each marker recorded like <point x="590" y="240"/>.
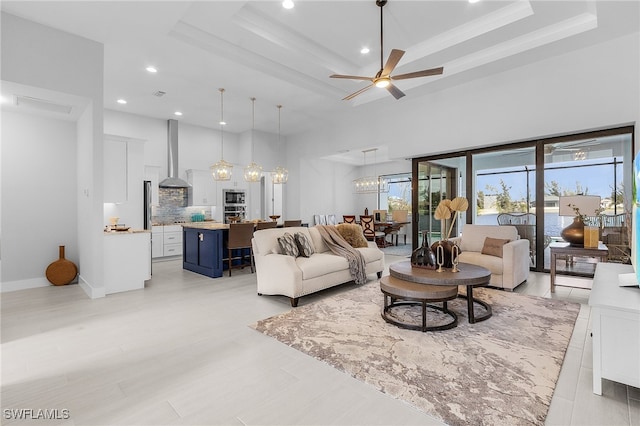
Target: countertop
<point x="129" y="232"/>
<point x="205" y="225"/>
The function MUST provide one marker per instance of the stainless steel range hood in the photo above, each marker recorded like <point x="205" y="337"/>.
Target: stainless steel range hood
<point x="173" y="181"/>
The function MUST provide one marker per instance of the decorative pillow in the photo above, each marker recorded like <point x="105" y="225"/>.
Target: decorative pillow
<point x="352" y="233"/>
<point x="493" y="246"/>
<point x="305" y="248"/>
<point x="288" y="245"/>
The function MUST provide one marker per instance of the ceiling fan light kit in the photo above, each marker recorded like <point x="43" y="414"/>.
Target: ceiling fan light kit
<point x="383" y="79"/>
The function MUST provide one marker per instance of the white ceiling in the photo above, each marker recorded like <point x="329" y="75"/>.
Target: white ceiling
<point x="259" y="49"/>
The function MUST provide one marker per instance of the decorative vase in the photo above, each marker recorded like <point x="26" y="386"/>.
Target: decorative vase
<point x="574" y="233"/>
<point x="423" y="256"/>
<point x="62" y="271"/>
<point x="447" y="251"/>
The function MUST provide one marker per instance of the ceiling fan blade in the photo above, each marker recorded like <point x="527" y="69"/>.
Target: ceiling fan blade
<point x="392" y="61"/>
<point x="423" y="73"/>
<point x="354" y="94"/>
<point x="397" y="93"/>
<point x="351" y="77"/>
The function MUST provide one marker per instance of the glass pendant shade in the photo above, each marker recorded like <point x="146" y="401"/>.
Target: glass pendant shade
<point x="253" y="172"/>
<point x="221" y="170"/>
<point x="370" y="184"/>
<point x="279" y="175"/>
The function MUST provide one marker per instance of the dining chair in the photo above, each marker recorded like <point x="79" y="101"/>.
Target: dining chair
<point x="399" y="216"/>
<point x="380" y="215"/>
<point x="266" y="225"/>
<point x="331" y="219"/>
<point x="369" y="230"/>
<point x="319" y="219"/>
<point x="290" y="223"/>
<point x="240" y="235"/>
<point x="348" y="218"/>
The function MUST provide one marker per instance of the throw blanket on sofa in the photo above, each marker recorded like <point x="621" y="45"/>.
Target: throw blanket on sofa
<point x="340" y="247"/>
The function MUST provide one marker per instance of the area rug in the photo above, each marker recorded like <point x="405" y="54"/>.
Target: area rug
<point x="499" y="371"/>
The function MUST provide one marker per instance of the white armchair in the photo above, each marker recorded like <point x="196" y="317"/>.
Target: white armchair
<point x="508" y="271"/>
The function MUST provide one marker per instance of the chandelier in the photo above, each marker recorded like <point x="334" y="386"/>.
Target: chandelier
<point x="222" y="169"/>
<point x="280" y="174"/>
<point x="253" y="172"/>
<point x="370" y="184"/>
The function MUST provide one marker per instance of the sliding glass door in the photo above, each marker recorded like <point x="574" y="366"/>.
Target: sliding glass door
<point x="504" y="189"/>
<point x="521" y="184"/>
<point x="436" y="180"/>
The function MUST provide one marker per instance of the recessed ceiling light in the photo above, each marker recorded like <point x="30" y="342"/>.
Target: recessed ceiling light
<point x="364" y="50"/>
<point x="288" y="4"/>
<point x="177" y="113"/>
<point x="122" y="101"/>
<point x="151" y="69"/>
<point x="474" y="1"/>
<point x="223" y="123"/>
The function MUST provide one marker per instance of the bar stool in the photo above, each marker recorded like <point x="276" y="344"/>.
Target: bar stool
<point x="240" y="235"/>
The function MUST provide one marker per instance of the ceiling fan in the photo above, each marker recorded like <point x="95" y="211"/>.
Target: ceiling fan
<point x="383" y="78"/>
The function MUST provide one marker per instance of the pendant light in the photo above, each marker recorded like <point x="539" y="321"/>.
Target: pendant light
<point x="222" y="169"/>
<point x="370" y="184"/>
<point x="280" y="174"/>
<point x="253" y="172"/>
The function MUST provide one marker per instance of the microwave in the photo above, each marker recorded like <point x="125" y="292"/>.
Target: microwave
<point x="233" y="196"/>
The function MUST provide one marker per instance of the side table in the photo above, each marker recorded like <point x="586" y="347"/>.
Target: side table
<point x="564" y="249"/>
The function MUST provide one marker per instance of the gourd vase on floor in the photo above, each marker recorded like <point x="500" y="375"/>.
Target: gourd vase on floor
<point x="423" y="256"/>
<point x="62" y="271"/>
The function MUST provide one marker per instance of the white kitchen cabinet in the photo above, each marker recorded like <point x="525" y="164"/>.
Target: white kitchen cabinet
<point x="115" y="171"/>
<point x="172" y="240"/>
<point x="127" y="261"/>
<point x="157" y="241"/>
<point x="152" y="173"/>
<point x="203" y="188"/>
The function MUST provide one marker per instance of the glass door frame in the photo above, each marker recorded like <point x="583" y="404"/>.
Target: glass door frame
<point x="539" y="144"/>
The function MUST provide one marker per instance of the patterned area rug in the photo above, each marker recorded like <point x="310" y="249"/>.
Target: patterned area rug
<point x="499" y="371"/>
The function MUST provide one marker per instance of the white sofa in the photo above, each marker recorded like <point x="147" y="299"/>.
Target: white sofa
<point x="295" y="277"/>
<point x="508" y="271"/>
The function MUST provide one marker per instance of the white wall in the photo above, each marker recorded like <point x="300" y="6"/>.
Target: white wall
<point x="199" y="148"/>
<point x="38" y="56"/>
<point x="592" y="88"/>
<point x="39" y="199"/>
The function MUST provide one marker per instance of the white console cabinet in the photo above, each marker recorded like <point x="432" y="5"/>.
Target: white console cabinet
<point x="615" y="326"/>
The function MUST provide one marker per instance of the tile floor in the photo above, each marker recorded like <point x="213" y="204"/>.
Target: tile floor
<point x="181" y="352"/>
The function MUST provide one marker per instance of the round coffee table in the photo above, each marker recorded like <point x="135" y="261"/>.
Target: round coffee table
<point x="407" y="293"/>
<point x="469" y="275"/>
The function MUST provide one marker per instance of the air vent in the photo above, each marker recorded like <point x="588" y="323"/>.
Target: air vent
<point x="42" y="105"/>
<point x="159" y="93"/>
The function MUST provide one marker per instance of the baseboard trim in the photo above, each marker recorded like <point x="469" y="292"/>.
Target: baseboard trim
<point x="8" y="286"/>
<point x="92" y="292"/>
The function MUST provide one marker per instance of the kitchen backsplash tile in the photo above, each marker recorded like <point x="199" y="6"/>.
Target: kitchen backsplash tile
<point x="173" y="207"/>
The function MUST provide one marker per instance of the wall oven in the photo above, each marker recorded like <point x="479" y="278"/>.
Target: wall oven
<point x="233" y="197"/>
<point x="235" y="208"/>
